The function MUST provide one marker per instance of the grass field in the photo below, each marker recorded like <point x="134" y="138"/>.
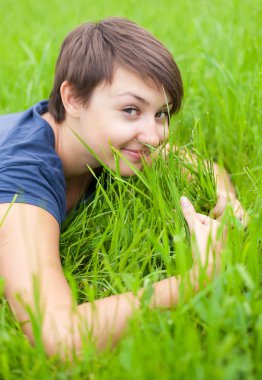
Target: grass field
<point x="134" y="233"/>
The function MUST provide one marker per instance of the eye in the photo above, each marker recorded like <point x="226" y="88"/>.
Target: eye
<point x="132" y="111"/>
<point x="163" y="116"/>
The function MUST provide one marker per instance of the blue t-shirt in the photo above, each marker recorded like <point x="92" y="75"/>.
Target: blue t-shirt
<point x="29" y="164"/>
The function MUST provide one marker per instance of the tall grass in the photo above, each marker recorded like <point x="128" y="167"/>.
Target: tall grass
<point x="132" y="233"/>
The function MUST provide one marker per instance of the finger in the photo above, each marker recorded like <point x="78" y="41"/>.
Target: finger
<point x="237" y="206"/>
<point x="220" y="217"/>
<point x="245" y="219"/>
<point x="239" y="212"/>
<point x="188" y="212"/>
<point x="204" y="219"/>
<point x="219" y="208"/>
<point x="242" y="215"/>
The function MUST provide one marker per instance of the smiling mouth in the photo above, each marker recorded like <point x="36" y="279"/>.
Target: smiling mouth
<point x="135" y="154"/>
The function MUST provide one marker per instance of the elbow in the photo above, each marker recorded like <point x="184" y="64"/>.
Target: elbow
<point x="63" y="333"/>
<point x="58" y="335"/>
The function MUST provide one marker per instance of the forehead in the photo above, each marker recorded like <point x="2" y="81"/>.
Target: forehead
<point x="126" y="82"/>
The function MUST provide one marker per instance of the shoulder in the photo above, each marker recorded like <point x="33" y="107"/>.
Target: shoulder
<point x="29" y="165"/>
<point x="24" y="126"/>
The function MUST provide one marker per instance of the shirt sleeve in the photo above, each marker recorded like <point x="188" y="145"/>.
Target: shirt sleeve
<point x="36" y="185"/>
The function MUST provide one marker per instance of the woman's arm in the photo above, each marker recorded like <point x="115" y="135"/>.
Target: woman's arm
<point x="34" y="280"/>
<point x="226" y="194"/>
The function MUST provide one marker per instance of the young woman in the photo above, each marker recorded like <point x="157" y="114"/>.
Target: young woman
<point x="114" y="86"/>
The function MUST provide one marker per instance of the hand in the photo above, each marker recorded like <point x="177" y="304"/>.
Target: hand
<point x="207" y="239"/>
<point x="227" y="198"/>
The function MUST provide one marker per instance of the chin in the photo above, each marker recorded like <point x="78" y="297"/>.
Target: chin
<point x="127" y="171"/>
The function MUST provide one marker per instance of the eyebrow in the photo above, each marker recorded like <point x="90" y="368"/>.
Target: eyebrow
<point x="137" y="97"/>
<point x="141" y="100"/>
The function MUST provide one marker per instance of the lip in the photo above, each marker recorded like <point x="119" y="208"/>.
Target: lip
<point x="135" y="154"/>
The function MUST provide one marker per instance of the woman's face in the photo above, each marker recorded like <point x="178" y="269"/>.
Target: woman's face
<point x="127" y="115"/>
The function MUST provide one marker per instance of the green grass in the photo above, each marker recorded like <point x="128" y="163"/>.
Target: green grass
<point x="134" y="233"/>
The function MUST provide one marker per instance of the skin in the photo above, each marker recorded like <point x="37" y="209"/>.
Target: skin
<point x="126" y="114"/>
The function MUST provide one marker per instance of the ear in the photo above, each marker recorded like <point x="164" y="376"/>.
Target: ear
<point x="71" y="104"/>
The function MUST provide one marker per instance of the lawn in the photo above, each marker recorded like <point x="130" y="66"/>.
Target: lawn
<point x="133" y="233"/>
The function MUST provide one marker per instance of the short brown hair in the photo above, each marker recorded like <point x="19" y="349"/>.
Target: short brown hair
<point x="90" y="53"/>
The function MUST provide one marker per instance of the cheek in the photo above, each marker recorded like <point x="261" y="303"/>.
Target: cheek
<point x="121" y="133"/>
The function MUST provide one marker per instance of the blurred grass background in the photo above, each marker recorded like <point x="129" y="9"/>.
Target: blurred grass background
<point x="217" y="333"/>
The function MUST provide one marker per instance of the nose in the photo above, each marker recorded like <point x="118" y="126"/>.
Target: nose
<point x="149" y="133"/>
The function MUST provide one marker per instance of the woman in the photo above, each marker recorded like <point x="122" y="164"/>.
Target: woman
<point x="114" y="88"/>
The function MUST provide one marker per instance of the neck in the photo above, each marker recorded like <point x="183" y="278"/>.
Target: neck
<point x="73" y="154"/>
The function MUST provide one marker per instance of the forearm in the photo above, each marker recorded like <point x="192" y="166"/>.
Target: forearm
<point x="102" y="321"/>
<point x="66" y="328"/>
<point x="108" y="317"/>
